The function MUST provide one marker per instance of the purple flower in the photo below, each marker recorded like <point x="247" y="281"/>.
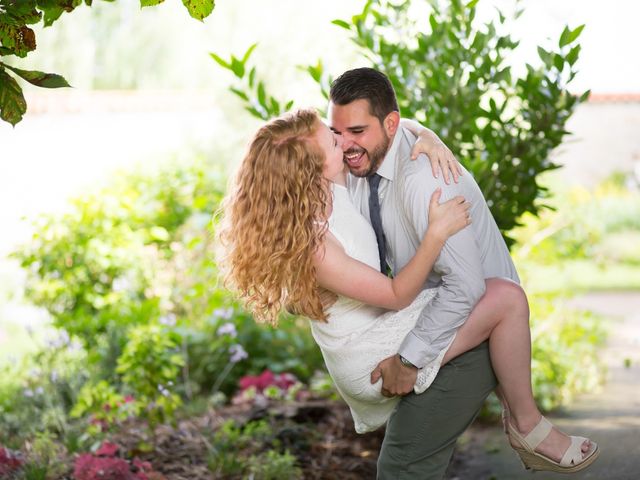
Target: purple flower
<point x="228" y="329"/>
<point x="169" y="320"/>
<point x="223" y="313"/>
<point x="62" y="340"/>
<point x="237" y="353"/>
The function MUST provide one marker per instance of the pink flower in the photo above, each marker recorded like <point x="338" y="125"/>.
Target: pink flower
<point x="9" y="461"/>
<point x="89" y="467"/>
<point x="266" y="379"/>
<point x="107" y="449"/>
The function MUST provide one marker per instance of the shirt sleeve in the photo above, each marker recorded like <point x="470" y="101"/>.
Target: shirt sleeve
<point x="462" y="278"/>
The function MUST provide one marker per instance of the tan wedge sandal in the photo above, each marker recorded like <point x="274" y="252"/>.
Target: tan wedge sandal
<point x="572" y="460"/>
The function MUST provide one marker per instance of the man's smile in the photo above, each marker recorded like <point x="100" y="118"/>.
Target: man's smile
<point x="355" y="158"/>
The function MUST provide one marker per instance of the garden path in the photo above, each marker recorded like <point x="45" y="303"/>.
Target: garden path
<point x="611" y="416"/>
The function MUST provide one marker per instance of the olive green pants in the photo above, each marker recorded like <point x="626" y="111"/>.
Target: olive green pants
<point x="423" y="429"/>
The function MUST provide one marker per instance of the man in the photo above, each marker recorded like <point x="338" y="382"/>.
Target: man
<point x="394" y="191"/>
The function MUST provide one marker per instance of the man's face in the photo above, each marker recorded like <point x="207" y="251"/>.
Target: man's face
<point x="364" y="140"/>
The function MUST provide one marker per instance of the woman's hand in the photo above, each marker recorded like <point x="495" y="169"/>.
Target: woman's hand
<point x="448" y="218"/>
<point x="441" y="158"/>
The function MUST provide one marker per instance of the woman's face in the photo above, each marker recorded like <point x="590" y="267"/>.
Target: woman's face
<point x="331" y="145"/>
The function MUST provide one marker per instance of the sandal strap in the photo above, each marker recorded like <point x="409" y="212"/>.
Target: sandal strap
<point x="539" y="433"/>
<point x="573" y="455"/>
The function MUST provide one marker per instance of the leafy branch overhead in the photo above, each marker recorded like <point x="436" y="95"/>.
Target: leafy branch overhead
<point x="17" y="38"/>
<point x="451" y="73"/>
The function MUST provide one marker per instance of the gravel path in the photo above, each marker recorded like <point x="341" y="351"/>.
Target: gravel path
<point x="610" y="416"/>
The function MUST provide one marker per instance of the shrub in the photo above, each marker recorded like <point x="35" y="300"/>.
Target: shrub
<point x="451" y="72"/>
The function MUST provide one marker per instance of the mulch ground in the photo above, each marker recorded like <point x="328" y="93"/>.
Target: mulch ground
<point x="319" y="433"/>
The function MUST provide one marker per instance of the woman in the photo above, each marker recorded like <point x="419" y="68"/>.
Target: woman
<point x="289" y="221"/>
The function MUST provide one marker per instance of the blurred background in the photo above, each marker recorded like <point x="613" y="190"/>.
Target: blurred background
<point x="149" y="102"/>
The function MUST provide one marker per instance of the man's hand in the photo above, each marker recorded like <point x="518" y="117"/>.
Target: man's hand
<point x="397" y="379"/>
<point x="441" y="158"/>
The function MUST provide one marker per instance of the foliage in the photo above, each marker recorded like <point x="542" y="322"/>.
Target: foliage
<point x="452" y="73"/>
<point x="107" y="408"/>
<point x="150" y="365"/>
<point x="18" y="39"/>
<point x="109" y="263"/>
<point x="274" y="466"/>
<point x="37" y="393"/>
<point x="565" y="343"/>
<point x="600" y="224"/>
<point x="237" y="451"/>
<point x="130" y="272"/>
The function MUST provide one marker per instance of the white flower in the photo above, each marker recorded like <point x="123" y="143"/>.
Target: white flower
<point x="169" y="320"/>
<point x="237" y="353"/>
<point x="223" y="313"/>
<point x="228" y="329"/>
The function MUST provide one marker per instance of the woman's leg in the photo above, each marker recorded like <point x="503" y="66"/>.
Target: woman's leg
<point x="502" y="316"/>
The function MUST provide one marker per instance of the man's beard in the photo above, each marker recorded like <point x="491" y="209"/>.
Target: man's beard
<point x="376" y="156"/>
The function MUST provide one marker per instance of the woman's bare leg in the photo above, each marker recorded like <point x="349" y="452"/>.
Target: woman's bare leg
<point x="502" y="316"/>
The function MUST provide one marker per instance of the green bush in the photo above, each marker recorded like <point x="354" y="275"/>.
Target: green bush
<point x="250" y="450"/>
<point x="130" y="272"/>
<point x="601" y="224"/>
<point x="565" y="344"/>
<point x="37" y="393"/>
<point x="450" y="72"/>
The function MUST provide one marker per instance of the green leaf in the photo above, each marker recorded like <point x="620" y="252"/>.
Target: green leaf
<point x="12" y="103"/>
<point x="341" y="23"/>
<point x="558" y="61"/>
<point x="433" y="22"/>
<point x="240" y="93"/>
<point x="572" y="56"/>
<point x="150" y="3"/>
<point x="545" y="56"/>
<point x="585" y="96"/>
<point x="199" y="9"/>
<point x="288" y="105"/>
<point x="252" y="76"/>
<point x="248" y="53"/>
<point x="237" y="67"/>
<point x="262" y="100"/>
<point x="40" y="79"/>
<point x="569" y="36"/>
<point x="20" y="13"/>
<point x="19" y="39"/>
<point x="220" y="61"/>
<point x="51" y="15"/>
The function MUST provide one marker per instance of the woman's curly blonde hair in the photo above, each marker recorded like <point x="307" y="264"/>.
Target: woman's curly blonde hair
<point x="274" y="218"/>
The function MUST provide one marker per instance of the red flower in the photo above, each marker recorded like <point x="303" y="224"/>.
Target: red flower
<point x="89" y="467"/>
<point x="141" y="465"/>
<point x="266" y="379"/>
<point x="107" y="449"/>
<point x="9" y="461"/>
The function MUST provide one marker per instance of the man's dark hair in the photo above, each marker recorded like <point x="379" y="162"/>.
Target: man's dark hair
<point x="368" y="84"/>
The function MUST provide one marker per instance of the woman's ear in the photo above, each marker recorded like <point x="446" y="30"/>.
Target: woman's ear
<point x="391" y="123"/>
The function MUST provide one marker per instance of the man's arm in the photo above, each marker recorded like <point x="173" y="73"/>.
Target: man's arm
<point x="440" y="156"/>
<point x="460" y="267"/>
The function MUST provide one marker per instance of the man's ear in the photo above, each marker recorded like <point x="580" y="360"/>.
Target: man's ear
<point x="391" y="123"/>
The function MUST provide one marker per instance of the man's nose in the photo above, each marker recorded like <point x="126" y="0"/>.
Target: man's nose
<point x="347" y="142"/>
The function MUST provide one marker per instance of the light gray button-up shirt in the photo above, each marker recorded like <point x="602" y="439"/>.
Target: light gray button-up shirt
<point x="469" y="257"/>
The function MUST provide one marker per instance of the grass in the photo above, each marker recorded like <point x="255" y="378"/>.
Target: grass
<point x="580" y="276"/>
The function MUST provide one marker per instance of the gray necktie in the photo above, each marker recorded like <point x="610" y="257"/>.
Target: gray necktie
<point x="376" y="220"/>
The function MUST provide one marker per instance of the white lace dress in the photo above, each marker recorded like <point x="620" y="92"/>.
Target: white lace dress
<point x="358" y="336"/>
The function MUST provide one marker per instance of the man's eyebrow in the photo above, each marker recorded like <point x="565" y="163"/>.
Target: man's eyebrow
<point x="357" y="127"/>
